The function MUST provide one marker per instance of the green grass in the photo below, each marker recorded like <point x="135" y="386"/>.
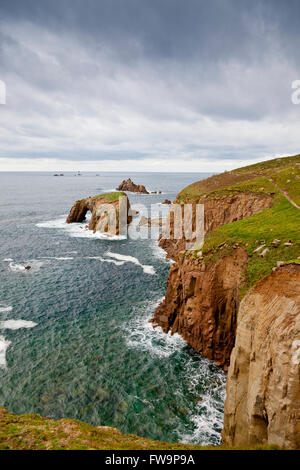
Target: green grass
<point x="289" y="180"/>
<point x="281" y="221"/>
<point x="111" y="196"/>
<point x="33" y="432"/>
<point x="247" y="178"/>
<point x="275" y="163"/>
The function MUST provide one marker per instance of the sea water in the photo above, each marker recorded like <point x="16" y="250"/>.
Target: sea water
<point x="75" y="337"/>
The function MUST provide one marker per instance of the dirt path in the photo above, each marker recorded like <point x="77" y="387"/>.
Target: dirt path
<point x="285" y="194"/>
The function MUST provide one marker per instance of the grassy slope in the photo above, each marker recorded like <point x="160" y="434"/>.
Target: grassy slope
<point x="217" y="183"/>
<point x="111" y="196"/>
<point x="281" y="221"/>
<point x="32" y="432"/>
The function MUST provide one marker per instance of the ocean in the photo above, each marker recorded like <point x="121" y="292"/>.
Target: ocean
<point x="75" y="337"/>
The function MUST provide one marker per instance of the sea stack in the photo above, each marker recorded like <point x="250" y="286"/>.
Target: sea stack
<point x="110" y="212"/>
<point x="130" y="186"/>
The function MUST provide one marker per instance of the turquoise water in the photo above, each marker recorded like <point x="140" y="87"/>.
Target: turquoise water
<point x="75" y="340"/>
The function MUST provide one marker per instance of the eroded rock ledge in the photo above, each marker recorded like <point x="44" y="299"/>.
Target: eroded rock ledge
<point x="110" y="212"/>
<point x="201" y="304"/>
<point x="263" y="397"/>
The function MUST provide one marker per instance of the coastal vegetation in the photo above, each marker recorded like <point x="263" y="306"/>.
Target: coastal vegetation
<point x="275" y="229"/>
<point x="37" y="433"/>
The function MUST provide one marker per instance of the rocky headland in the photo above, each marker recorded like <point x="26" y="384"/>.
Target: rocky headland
<point x="130" y="186"/>
<point x="108" y="211"/>
<point x="230" y="298"/>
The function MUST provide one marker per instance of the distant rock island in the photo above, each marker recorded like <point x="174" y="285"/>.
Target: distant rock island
<point x="103" y="220"/>
<point x="129" y="185"/>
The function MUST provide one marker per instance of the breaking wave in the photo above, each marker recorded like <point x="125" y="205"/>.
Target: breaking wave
<point x="205" y="382"/>
<point x="16" y="324"/>
<point x="77" y="230"/>
<point x="4" y="344"/>
<point x="130" y="259"/>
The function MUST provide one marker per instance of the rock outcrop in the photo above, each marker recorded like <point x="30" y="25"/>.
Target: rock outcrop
<point x="263" y="391"/>
<point x="110" y="213"/>
<point x="201" y="301"/>
<point x="218" y="210"/>
<point x="129" y="185"/>
<point x="201" y="304"/>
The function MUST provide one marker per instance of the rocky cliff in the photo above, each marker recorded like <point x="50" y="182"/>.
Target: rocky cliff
<point x="219" y="209"/>
<point x="263" y="390"/>
<point x="243" y="211"/>
<point x="201" y="304"/>
<point x="251" y="225"/>
<point x="129" y="185"/>
<point x="110" y="212"/>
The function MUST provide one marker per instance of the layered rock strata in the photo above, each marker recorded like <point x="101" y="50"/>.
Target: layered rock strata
<point x="263" y="391"/>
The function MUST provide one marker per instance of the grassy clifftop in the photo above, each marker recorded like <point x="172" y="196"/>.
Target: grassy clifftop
<point x="247" y="178"/>
<point x="274" y="232"/>
<point x="35" y="432"/>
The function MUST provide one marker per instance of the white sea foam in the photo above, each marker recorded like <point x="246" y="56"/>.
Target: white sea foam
<point x="56" y="223"/>
<point x="63" y="258"/>
<point x="130" y="259"/>
<point x="16" y="267"/>
<point x="203" y="382"/>
<point x="207" y="424"/>
<point x="8" y="259"/>
<point x="208" y="421"/>
<point x="141" y="335"/>
<point x="4" y="344"/>
<point x="5" y="308"/>
<point x="16" y="324"/>
<point x="117" y="263"/>
<point x="78" y="230"/>
<point x="159" y="252"/>
<point x="35" y="265"/>
<point x="148" y="269"/>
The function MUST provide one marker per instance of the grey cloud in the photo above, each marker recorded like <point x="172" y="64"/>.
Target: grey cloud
<point x="113" y="79"/>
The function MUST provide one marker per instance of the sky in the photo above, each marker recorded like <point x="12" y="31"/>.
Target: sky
<point x="147" y="85"/>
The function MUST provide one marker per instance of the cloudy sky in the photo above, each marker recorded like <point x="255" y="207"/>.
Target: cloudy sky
<point x="147" y="85"/>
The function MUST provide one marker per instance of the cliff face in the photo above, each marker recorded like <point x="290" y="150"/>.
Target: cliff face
<point x="218" y="210"/>
<point x="201" y="304"/>
<point x="108" y="212"/>
<point x="263" y="393"/>
<point x="202" y="299"/>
